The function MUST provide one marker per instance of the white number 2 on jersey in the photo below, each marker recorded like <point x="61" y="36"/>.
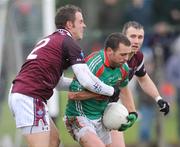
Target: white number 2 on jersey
<point x="39" y="45"/>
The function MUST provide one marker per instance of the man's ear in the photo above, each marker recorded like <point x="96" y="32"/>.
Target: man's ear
<point x="69" y="24"/>
<point x="108" y="49"/>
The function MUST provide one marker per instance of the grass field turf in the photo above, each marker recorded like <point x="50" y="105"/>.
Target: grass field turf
<point x="7" y="126"/>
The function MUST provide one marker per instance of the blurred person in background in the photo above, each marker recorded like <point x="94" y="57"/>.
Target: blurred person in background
<point x="161" y="38"/>
<point x="169" y="12"/>
<point x="173" y="76"/>
<point x="110" y="10"/>
<point x="84" y="110"/>
<point x="135" y="33"/>
<point x="140" y="11"/>
<point x="40" y="74"/>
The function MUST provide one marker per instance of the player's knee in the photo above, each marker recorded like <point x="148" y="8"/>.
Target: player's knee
<point x="55" y="142"/>
<point x="54" y="139"/>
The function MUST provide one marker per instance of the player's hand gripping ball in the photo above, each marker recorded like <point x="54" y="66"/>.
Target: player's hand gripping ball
<point x="115" y="115"/>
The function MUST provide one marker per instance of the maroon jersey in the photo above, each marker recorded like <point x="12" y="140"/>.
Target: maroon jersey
<point x="136" y="65"/>
<point x="43" y="68"/>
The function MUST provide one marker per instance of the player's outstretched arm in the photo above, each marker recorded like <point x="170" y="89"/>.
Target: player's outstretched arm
<point x="148" y="86"/>
<point x="91" y="82"/>
<point x="150" y="89"/>
<point x="83" y="95"/>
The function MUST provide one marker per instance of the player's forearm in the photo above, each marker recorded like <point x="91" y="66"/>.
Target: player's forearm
<point x="83" y="95"/>
<point x="148" y="86"/>
<point x="127" y="99"/>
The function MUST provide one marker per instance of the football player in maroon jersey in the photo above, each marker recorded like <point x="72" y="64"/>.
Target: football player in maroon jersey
<point x="135" y="33"/>
<point x="40" y="73"/>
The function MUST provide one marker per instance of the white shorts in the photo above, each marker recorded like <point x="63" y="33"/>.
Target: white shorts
<point x="31" y="115"/>
<point x="78" y="125"/>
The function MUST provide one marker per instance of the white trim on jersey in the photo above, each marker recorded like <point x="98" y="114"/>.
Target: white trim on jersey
<point x="139" y="67"/>
<point x="95" y="62"/>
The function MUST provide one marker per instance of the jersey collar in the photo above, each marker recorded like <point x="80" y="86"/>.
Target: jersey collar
<point x="106" y="60"/>
<point x="63" y="31"/>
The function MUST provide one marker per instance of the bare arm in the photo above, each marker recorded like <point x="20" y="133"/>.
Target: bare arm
<point x="148" y="86"/>
<point x="83" y="95"/>
<point x="127" y="99"/>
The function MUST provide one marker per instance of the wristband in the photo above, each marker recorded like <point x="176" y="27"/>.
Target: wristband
<point x="158" y="98"/>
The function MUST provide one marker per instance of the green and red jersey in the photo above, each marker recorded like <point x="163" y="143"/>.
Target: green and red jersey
<point x="99" y="65"/>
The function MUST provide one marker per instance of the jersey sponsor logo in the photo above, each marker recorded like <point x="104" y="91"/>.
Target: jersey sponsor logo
<point x="114" y="78"/>
<point x="97" y="87"/>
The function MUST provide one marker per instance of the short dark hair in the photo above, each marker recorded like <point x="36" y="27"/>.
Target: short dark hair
<point x="64" y="14"/>
<point x="114" y="39"/>
<point x="133" y="24"/>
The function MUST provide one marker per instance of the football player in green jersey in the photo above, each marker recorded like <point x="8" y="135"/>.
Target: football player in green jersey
<point x="83" y="117"/>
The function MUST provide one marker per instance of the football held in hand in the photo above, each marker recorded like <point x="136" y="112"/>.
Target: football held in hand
<point x="115" y="115"/>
